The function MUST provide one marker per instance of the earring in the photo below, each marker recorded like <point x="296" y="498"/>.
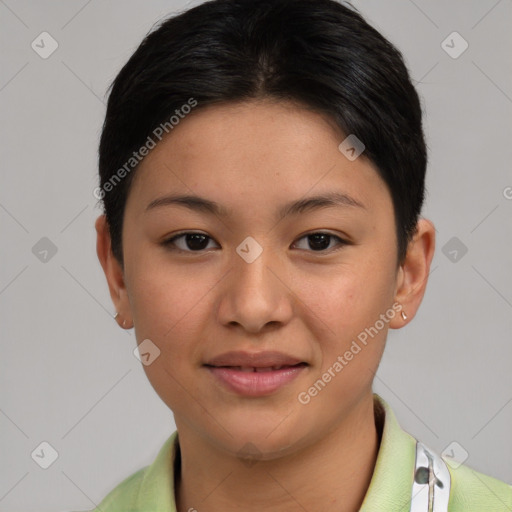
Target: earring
<point x="404" y="316"/>
<point x="123" y="322"/>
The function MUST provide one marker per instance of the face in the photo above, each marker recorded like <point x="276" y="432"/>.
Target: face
<point x="240" y="279"/>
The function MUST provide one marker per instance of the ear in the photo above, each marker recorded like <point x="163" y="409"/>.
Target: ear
<point x="113" y="272"/>
<point x="413" y="274"/>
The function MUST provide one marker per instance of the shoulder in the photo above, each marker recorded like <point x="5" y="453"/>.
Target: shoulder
<point x="472" y="491"/>
<point x="124" y="496"/>
<point x="149" y="488"/>
<point x="422" y="475"/>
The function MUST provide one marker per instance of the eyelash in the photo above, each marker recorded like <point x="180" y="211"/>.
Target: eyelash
<point x="170" y="242"/>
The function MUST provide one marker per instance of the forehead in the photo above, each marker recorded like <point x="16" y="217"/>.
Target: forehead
<point x="257" y="152"/>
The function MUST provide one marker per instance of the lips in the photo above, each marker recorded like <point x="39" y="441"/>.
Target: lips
<point x="268" y="360"/>
<point x="255" y="374"/>
<point x="257" y="368"/>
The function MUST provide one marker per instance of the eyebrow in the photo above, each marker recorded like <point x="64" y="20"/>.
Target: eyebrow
<point x="201" y="204"/>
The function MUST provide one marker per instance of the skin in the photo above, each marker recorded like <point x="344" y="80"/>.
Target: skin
<point x="252" y="158"/>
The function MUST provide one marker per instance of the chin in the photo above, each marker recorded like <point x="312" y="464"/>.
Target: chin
<point x="261" y="440"/>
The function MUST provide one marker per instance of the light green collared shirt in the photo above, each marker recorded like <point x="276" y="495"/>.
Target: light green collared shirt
<point x="408" y="477"/>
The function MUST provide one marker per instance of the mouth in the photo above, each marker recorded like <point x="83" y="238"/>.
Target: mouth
<point x="266" y="360"/>
<point x="257" y="369"/>
<point x="255" y="375"/>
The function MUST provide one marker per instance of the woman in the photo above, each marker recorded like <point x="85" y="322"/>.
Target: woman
<point x="262" y="169"/>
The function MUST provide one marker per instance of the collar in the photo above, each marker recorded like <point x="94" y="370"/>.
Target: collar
<point x="389" y="489"/>
<point x="393" y="475"/>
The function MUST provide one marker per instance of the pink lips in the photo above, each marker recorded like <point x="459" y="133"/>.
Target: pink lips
<point x="255" y="374"/>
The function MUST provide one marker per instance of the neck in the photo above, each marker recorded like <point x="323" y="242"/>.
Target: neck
<point x="332" y="474"/>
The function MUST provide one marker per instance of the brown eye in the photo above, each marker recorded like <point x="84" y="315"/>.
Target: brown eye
<point x="188" y="242"/>
<point x="320" y="241"/>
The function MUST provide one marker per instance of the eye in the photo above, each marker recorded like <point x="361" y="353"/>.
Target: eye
<point x="320" y="241"/>
<point x="189" y="241"/>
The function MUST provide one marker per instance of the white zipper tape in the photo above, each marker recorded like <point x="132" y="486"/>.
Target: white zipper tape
<point x="432" y="482"/>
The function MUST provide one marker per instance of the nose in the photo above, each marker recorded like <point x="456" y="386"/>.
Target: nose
<point x="255" y="295"/>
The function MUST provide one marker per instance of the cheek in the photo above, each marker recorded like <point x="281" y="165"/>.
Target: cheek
<point x="348" y="297"/>
<point x="169" y="308"/>
<point x="351" y="348"/>
<point x="345" y="305"/>
<point x="162" y="295"/>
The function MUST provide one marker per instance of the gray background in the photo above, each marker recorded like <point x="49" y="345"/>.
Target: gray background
<point x="68" y="375"/>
